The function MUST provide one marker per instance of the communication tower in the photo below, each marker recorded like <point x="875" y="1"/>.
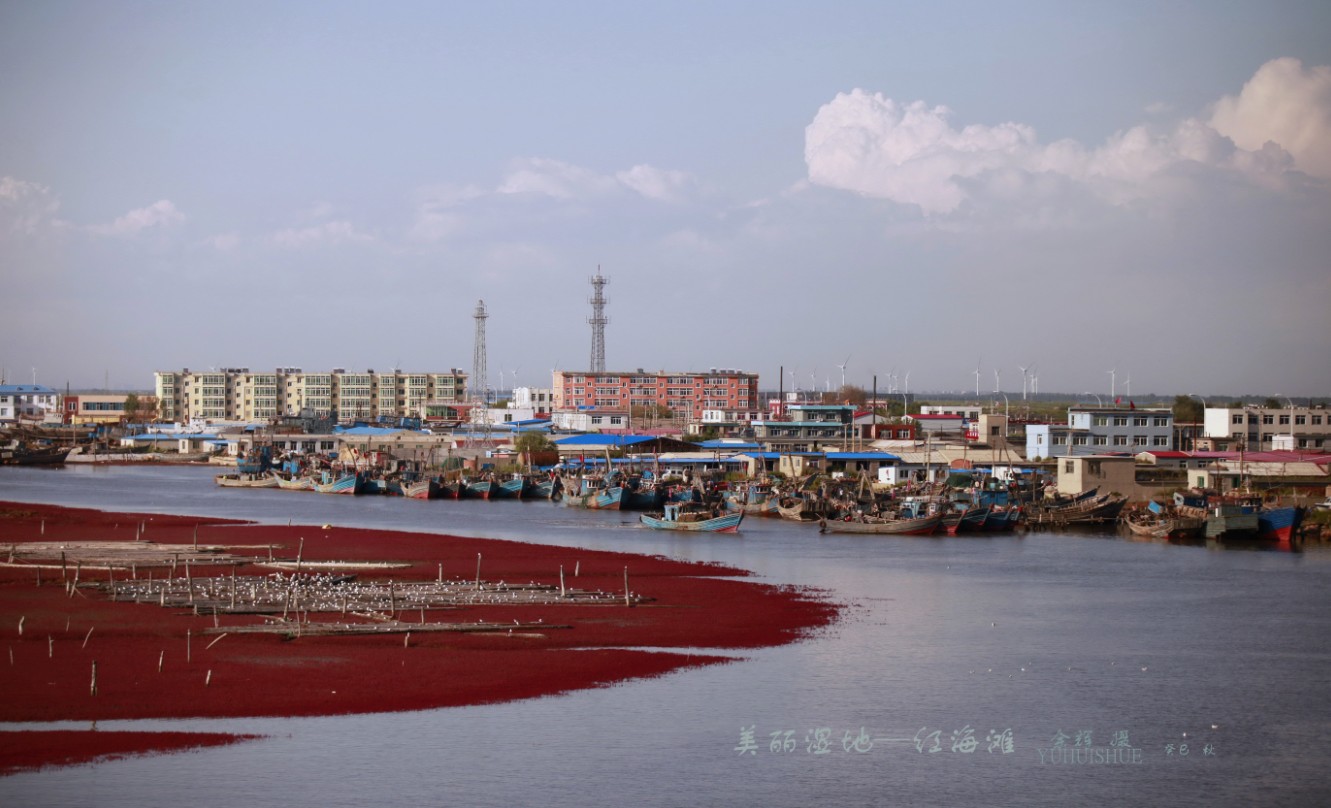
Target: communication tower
<point x="598" y="322"/>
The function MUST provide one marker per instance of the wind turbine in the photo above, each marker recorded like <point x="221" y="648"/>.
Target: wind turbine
<point x="1035" y="381"/>
<point x="1023" y="381"/>
<point x="1127" y="386"/>
<point x="996" y="373"/>
<point x="906" y="391"/>
<point x="977" y="378"/>
<point x="1112" y="387"/>
<point x="843" y="370"/>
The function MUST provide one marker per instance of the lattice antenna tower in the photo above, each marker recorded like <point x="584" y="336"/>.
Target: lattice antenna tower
<point x="478" y="381"/>
<point x="598" y="321"/>
<point x="480" y="391"/>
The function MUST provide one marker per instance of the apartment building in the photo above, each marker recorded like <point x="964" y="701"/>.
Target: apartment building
<point x="1100" y="430"/>
<point x="242" y="395"/>
<point x="1264" y="428"/>
<point x="685" y="394"/>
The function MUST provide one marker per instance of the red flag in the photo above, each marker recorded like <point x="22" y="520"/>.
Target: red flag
<point x="1118" y="401"/>
<point x="1131" y="405"/>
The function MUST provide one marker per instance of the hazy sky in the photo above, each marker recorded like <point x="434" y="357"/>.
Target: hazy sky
<point x="1143" y="187"/>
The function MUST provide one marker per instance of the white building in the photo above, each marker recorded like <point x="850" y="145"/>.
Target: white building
<point x="239" y="394"/>
<point x="29" y="402"/>
<point x="1258" y="427"/>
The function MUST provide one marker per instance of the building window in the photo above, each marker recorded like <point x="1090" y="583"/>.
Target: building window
<point x="1069" y="467"/>
<point x="1317" y="420"/>
<point x="1100" y="440"/>
<point x="1237" y="419"/>
<point x="1159" y="440"/>
<point x="1138" y="440"/>
<point x="1100" y="420"/>
<point x="1161" y="420"/>
<point x="1120" y="440"/>
<point x="1140" y="420"/>
<point x="1120" y="420"/>
<point x="1268" y="419"/>
<point x="1079" y="440"/>
<point x="1300" y="420"/>
<point x="1284" y="418"/>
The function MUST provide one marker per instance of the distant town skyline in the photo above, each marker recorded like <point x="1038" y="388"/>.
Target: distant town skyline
<point x="858" y="188"/>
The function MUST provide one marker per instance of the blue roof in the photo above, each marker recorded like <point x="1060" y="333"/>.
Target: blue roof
<point x="11" y="389"/>
<point x="880" y="456"/>
<point x="604" y="440"/>
<point x="762" y="455"/>
<point x="369" y="430"/>
<point x="728" y="444"/>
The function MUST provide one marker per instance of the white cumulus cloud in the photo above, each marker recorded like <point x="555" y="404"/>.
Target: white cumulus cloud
<point x="912" y="153"/>
<point x="1286" y="104"/>
<point x="25" y="206"/>
<point x="161" y="213"/>
<point x="544" y="177"/>
<point x="565" y="181"/>
<point x="663" y="185"/>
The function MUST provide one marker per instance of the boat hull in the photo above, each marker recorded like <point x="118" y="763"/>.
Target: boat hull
<point x="726" y="523"/>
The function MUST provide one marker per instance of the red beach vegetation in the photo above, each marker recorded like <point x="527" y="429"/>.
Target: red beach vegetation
<point x="123" y="616"/>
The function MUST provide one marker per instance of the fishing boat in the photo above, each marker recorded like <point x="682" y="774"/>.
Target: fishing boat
<point x="1094" y="511"/>
<point x="543" y="489"/>
<point x="293" y="483"/>
<point x="682" y="516"/>
<point x="512" y="488"/>
<point x="1163" y="525"/>
<point x="592" y="493"/>
<point x="346" y="484"/>
<point x="968" y="520"/>
<point x="23" y="456"/>
<point x="421" y="489"/>
<point x="799" y="509"/>
<point x="480" y="489"/>
<point x="246" y="481"/>
<point x="1279" y="524"/>
<point x="916" y="526"/>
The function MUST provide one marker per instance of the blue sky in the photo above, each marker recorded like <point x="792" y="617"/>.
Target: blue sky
<point x="892" y="186"/>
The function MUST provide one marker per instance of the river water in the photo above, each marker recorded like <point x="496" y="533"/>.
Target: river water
<point x="1054" y="668"/>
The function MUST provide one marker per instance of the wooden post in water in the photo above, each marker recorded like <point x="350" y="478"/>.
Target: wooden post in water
<point x="92" y="690"/>
<point x="87" y="637"/>
<point x="478" y="571"/>
<point x="561" y="580"/>
<point x="577" y="565"/>
<point x="20" y="624"/>
<point x="63" y="568"/>
<point x="627" y="602"/>
<point x="196" y="537"/>
<point x="160" y="659"/>
<point x="189" y="641"/>
<point x="50" y="647"/>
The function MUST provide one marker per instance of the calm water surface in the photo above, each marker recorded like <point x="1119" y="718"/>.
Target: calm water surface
<point x="1088" y="637"/>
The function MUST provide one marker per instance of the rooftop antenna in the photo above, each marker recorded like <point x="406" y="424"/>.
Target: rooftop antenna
<point x="598" y="321"/>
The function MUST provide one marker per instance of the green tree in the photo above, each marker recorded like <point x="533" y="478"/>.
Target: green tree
<point x="1187" y="410"/>
<point x="131" y="411"/>
<point x="1272" y="404"/>
<point x="533" y="442"/>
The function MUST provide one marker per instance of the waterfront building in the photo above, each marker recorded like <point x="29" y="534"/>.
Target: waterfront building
<point x="1261" y="428"/>
<point x="28" y="402"/>
<point x="686" y="394"/>
<point x="239" y="394"/>
<point x="105" y="408"/>
<point x="1101" y="430"/>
